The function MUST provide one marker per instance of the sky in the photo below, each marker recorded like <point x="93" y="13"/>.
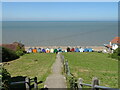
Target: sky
<point x="59" y="11"/>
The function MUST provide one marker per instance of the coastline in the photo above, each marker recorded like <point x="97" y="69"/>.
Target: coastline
<point x="95" y="48"/>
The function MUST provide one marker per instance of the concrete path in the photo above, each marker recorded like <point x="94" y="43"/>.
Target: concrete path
<point x="56" y="79"/>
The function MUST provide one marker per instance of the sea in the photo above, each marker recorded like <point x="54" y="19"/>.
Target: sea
<point x="59" y="33"/>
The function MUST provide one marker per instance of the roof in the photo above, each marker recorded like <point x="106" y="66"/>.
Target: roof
<point x="116" y="40"/>
<point x="10" y="46"/>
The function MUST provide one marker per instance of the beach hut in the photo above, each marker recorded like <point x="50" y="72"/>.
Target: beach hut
<point x="51" y="50"/>
<point x="29" y="50"/>
<point x="55" y="51"/>
<point x="77" y="50"/>
<point x="85" y="50"/>
<point x="43" y="50"/>
<point x="72" y="50"/>
<point x="68" y="49"/>
<point x="47" y="50"/>
<point x="39" y="50"/>
<point x="90" y="50"/>
<point x="81" y="49"/>
<point x="34" y="50"/>
<point x="59" y="49"/>
<point x="65" y="50"/>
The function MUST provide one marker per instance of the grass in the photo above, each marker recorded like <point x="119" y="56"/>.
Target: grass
<point x="88" y="65"/>
<point x="31" y="65"/>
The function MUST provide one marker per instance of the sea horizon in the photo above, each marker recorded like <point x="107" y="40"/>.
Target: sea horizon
<point x="63" y="33"/>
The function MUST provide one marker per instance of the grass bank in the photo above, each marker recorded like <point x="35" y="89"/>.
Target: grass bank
<point x="31" y="65"/>
<point x="88" y="65"/>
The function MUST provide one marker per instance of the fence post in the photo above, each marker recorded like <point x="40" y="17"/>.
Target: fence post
<point x="66" y="64"/>
<point x="62" y="59"/>
<point x="67" y="68"/>
<point x="27" y="84"/>
<point x="95" y="81"/>
<point x="80" y="81"/>
<point x="35" y="83"/>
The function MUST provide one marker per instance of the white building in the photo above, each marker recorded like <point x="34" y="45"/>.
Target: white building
<point x="113" y="45"/>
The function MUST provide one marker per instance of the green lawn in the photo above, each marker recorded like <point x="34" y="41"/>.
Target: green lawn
<point x="34" y="64"/>
<point x="88" y="65"/>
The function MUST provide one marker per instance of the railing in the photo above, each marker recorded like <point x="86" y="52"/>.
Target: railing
<point x="94" y="85"/>
<point x="69" y="76"/>
<point x="27" y="83"/>
<point x="78" y="84"/>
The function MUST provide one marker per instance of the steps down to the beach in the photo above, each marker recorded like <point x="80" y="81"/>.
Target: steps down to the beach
<point x="56" y="79"/>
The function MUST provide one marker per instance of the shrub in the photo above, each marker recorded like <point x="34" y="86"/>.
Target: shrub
<point x="8" y="54"/>
<point x="19" y="53"/>
<point x="116" y="54"/>
<point x="6" y="78"/>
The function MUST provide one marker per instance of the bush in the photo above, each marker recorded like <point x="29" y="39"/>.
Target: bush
<point x="116" y="54"/>
<point x="8" y="54"/>
<point x="19" y="53"/>
<point x="6" y="79"/>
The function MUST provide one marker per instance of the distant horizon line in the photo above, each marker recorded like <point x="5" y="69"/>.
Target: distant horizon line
<point x="61" y="21"/>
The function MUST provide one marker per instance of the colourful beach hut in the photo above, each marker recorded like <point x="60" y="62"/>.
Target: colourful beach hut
<point x="43" y="50"/>
<point x="39" y="50"/>
<point x="77" y="50"/>
<point x="72" y="50"/>
<point x="86" y="50"/>
<point x="29" y="50"/>
<point x="34" y="50"/>
<point x="65" y="50"/>
<point x="51" y="50"/>
<point x="68" y="49"/>
<point x="59" y="49"/>
<point x="47" y="50"/>
<point x="55" y="51"/>
<point x="81" y="49"/>
<point x="90" y="50"/>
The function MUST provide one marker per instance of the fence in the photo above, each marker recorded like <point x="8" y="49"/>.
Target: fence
<point x="94" y="85"/>
<point x="69" y="76"/>
<point x="78" y="84"/>
<point x="27" y="83"/>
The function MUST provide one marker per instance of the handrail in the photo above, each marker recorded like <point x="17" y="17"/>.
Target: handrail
<point x="27" y="83"/>
<point x="12" y="83"/>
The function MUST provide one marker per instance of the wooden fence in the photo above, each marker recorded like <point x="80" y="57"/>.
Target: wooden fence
<point x="78" y="84"/>
<point x="27" y="83"/>
<point x="94" y="85"/>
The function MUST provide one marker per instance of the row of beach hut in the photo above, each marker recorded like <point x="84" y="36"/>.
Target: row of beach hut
<point x="48" y="50"/>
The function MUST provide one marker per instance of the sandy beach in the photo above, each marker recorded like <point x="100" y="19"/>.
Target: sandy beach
<point x="95" y="48"/>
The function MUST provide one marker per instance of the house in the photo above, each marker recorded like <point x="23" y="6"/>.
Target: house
<point x="113" y="44"/>
<point x="14" y="46"/>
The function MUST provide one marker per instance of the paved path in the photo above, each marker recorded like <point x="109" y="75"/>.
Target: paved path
<point x="56" y="79"/>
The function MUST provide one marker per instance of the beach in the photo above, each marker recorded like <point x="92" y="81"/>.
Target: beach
<point x="95" y="48"/>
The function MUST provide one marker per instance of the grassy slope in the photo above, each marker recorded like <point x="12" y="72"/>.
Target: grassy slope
<point x="88" y="65"/>
<point x="28" y="66"/>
